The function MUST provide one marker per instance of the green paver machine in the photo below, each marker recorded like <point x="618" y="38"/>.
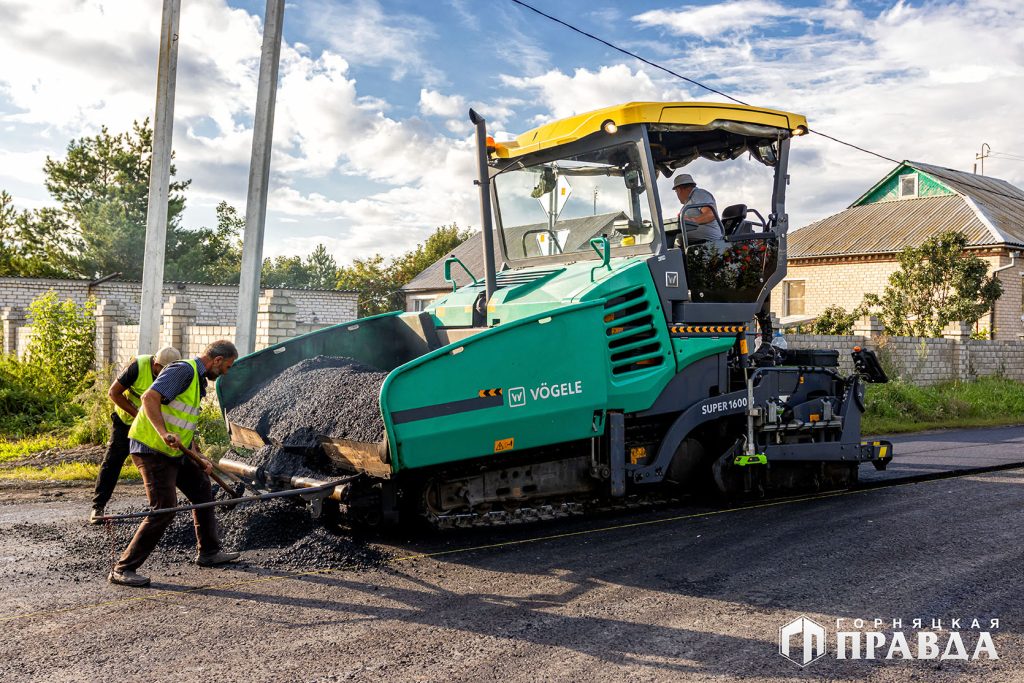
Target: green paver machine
<point x="603" y="354"/>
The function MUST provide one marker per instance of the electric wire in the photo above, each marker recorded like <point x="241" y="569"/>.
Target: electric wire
<point x="655" y="65"/>
<point x="627" y="52"/>
<point x="697" y="83"/>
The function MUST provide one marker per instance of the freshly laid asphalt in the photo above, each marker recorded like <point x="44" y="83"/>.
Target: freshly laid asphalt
<point x="689" y="593"/>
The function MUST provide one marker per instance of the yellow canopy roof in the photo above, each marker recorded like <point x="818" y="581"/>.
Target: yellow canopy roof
<point x="573" y="128"/>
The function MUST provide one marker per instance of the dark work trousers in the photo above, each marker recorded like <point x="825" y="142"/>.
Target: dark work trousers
<point x="162" y="474"/>
<point x="113" y="461"/>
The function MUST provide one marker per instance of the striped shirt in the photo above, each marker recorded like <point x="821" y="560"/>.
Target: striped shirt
<point x="171" y="383"/>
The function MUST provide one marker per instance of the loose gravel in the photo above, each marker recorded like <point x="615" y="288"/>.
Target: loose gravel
<point x="325" y="396"/>
<point x="275" y="533"/>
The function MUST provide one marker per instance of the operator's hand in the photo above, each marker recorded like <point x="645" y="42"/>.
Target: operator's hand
<point x="172" y="440"/>
<point x="205" y="464"/>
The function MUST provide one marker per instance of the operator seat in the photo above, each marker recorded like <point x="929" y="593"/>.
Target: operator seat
<point x="732" y="217"/>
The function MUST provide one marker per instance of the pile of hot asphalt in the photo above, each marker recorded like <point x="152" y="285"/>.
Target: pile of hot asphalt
<point x="325" y="396"/>
<point x="273" y="534"/>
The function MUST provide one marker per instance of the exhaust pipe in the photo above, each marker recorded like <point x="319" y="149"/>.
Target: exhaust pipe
<point x="260" y="476"/>
<point x="490" y="279"/>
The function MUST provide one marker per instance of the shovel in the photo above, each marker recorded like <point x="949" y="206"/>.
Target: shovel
<point x="233" y="490"/>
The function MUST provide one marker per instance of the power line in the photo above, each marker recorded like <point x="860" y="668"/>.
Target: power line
<point x="850" y="144"/>
<point x="1006" y="156"/>
<point x="678" y="75"/>
<point x="625" y="51"/>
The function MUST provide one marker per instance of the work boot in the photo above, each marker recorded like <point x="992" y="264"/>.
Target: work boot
<point x="128" y="578"/>
<point x="219" y="557"/>
<point x="94" y="516"/>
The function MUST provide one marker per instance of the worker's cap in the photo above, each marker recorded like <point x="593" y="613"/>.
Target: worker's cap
<point x="683" y="179"/>
<point x="167" y="355"/>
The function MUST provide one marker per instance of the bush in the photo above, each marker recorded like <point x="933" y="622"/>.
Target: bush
<point x="63" y="339"/>
<point x="211" y="432"/>
<point x="94" y="425"/>
<point x="32" y="400"/>
<point x="835" y="320"/>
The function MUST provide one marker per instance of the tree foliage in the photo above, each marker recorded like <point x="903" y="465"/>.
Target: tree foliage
<point x="24" y="249"/>
<point x="835" y="320"/>
<point x="99" y="227"/>
<point x="937" y="283"/>
<point x="102" y="189"/>
<point x="379" y="282"/>
<point x="212" y="255"/>
<point x="102" y="186"/>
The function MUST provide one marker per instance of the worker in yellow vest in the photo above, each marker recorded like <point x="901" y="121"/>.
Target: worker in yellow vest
<point x="165" y="425"/>
<point x="126" y="394"/>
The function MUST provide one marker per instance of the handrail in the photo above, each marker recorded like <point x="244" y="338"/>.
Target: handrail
<point x="448" y="272"/>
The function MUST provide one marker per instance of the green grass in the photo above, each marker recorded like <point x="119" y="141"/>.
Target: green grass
<point x="899" y="407"/>
<point x="69" y="471"/>
<point x="22" y="448"/>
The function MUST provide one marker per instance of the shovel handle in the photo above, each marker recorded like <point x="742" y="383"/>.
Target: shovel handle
<point x="196" y="457"/>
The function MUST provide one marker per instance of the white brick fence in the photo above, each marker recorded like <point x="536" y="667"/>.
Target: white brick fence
<point x="182" y="325"/>
<point x="924" y="360"/>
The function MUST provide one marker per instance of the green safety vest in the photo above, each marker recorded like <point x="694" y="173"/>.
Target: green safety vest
<point x="181" y="415"/>
<point x="134" y="392"/>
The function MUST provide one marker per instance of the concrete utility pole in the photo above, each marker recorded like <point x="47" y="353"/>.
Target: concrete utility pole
<point x="259" y="178"/>
<point x="159" y="180"/>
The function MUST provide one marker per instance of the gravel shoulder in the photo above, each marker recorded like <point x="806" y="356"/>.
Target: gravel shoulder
<point x="684" y="594"/>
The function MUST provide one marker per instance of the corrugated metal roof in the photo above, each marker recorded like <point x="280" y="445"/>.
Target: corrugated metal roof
<point x="989" y="211"/>
<point x="999" y="201"/>
<point x="471" y="252"/>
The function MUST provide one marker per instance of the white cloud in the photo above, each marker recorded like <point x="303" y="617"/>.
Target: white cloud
<point x="584" y="90"/>
<point x="928" y="83"/>
<point x="433" y="103"/>
<point x="713" y="20"/>
<point x="323" y="124"/>
<point x="371" y="34"/>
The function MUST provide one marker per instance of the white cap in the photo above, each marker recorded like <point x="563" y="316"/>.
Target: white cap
<point x="166" y="356"/>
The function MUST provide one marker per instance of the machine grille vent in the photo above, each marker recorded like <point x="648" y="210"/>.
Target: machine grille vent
<point x="514" y="278"/>
<point x="633" y="343"/>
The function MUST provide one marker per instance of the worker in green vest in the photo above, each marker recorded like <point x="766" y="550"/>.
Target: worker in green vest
<point x="165" y="427"/>
<point x="126" y="394"/>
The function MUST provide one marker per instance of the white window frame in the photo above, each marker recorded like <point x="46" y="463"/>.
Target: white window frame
<point x="420" y="303"/>
<point x="786" y="297"/>
<point x="899" y="186"/>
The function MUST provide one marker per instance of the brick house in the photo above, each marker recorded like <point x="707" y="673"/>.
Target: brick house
<point x="839" y="259"/>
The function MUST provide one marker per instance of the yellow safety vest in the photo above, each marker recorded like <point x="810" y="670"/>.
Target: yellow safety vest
<point x="134" y="392"/>
<point x="181" y="415"/>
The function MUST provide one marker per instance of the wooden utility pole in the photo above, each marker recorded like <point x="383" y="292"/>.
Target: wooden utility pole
<point x="159" y="180"/>
<point x="259" y="178"/>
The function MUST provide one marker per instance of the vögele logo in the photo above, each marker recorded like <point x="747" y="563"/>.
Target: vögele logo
<point x="809" y="638"/>
<point x="516" y="397"/>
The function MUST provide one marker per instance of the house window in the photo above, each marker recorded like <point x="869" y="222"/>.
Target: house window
<point x="420" y="303"/>
<point x="794" y="304"/>
<point x="908" y="185"/>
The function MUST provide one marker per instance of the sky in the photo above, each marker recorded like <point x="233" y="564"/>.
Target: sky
<point x="373" y="148"/>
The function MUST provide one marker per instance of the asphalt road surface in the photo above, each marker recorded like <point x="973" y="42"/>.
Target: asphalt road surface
<point x="679" y="594"/>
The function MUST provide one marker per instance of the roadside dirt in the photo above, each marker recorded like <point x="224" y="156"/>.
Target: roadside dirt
<point x="90" y="454"/>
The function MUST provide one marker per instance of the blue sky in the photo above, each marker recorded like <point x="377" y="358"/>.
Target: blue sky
<point x="372" y="143"/>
